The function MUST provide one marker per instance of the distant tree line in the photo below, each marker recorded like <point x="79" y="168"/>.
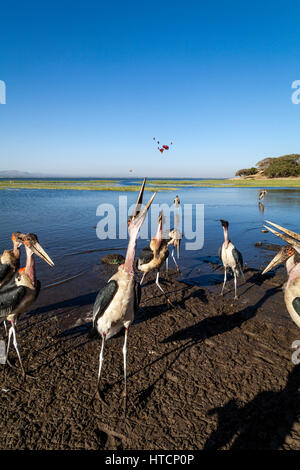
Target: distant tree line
<point x="287" y="165"/>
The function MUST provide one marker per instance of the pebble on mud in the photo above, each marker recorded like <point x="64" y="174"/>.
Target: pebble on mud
<point x="113" y="259"/>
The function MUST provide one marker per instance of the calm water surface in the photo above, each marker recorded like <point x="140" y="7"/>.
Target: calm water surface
<point x="65" y="222"/>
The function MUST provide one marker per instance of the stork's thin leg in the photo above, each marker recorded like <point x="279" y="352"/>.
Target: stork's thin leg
<point x="16" y="347"/>
<point x="167" y="264"/>
<point x="100" y="361"/>
<point x="12" y="333"/>
<point x="125" y="374"/>
<point x="225" y="279"/>
<point x="159" y="286"/>
<point x="97" y="392"/>
<point x="8" y="344"/>
<point x="141" y="281"/>
<point x="172" y="254"/>
<point x="5" y="327"/>
<point x="235" y="296"/>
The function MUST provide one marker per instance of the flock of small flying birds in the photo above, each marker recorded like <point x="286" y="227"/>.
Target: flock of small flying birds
<point x="161" y="149"/>
<point x="118" y="301"/>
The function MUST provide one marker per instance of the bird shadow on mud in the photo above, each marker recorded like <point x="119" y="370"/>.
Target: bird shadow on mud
<point x="261" y="424"/>
<point x="78" y="301"/>
<point x="213" y="326"/>
<point x="192" y="335"/>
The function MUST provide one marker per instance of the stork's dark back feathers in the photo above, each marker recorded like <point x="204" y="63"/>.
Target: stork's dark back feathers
<point x="103" y="299"/>
<point x="10" y="297"/>
<point x="145" y="256"/>
<point x="4" y="270"/>
<point x="239" y="261"/>
<point x="296" y="305"/>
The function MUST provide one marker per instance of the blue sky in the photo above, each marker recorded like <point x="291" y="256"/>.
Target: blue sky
<point x="89" y="84"/>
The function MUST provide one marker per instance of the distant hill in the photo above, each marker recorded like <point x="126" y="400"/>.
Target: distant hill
<point x="20" y="174"/>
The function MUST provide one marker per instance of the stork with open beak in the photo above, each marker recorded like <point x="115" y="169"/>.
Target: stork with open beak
<point x="23" y="289"/>
<point x="290" y="254"/>
<point x="231" y="257"/>
<point x="117" y="302"/>
<point x="153" y="256"/>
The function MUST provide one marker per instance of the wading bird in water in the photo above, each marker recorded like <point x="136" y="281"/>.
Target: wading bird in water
<point x="117" y="302"/>
<point x="231" y="257"/>
<point x="290" y="254"/>
<point x="23" y="289"/>
<point x="177" y="201"/>
<point x="262" y="194"/>
<point x="152" y="257"/>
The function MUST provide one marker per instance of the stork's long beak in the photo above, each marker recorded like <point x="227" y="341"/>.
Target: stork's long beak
<point x="37" y="249"/>
<point x="281" y="257"/>
<point x="290" y="236"/>
<point x="139" y="213"/>
<point x="139" y="201"/>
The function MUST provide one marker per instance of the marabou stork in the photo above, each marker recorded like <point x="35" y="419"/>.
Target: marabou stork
<point x="262" y="194"/>
<point x="117" y="302"/>
<point x="231" y="257"/>
<point x="10" y="261"/>
<point x="152" y="257"/>
<point x="22" y="290"/>
<point x="177" y="201"/>
<point x="175" y="239"/>
<point x="290" y="254"/>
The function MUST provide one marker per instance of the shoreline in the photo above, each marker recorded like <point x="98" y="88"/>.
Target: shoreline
<point x="153" y="185"/>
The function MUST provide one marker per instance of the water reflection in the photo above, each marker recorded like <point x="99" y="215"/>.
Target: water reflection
<point x="261" y="207"/>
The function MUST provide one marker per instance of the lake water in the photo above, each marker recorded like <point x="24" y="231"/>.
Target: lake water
<point x="65" y="222"/>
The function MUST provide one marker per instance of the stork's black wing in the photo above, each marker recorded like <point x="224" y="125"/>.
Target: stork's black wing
<point x="10" y="297"/>
<point x="37" y="289"/>
<point x="238" y="258"/>
<point x="145" y="256"/>
<point x="103" y="299"/>
<point x="137" y="295"/>
<point x="296" y="305"/>
<point x="4" y="270"/>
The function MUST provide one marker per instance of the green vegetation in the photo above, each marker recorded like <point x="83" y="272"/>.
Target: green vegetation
<point x="152" y="185"/>
<point x="247" y="172"/>
<point x="282" y="168"/>
<point x="75" y="185"/>
<point x="279" y="167"/>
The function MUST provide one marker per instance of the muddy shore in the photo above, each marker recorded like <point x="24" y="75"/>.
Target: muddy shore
<point x="210" y="373"/>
